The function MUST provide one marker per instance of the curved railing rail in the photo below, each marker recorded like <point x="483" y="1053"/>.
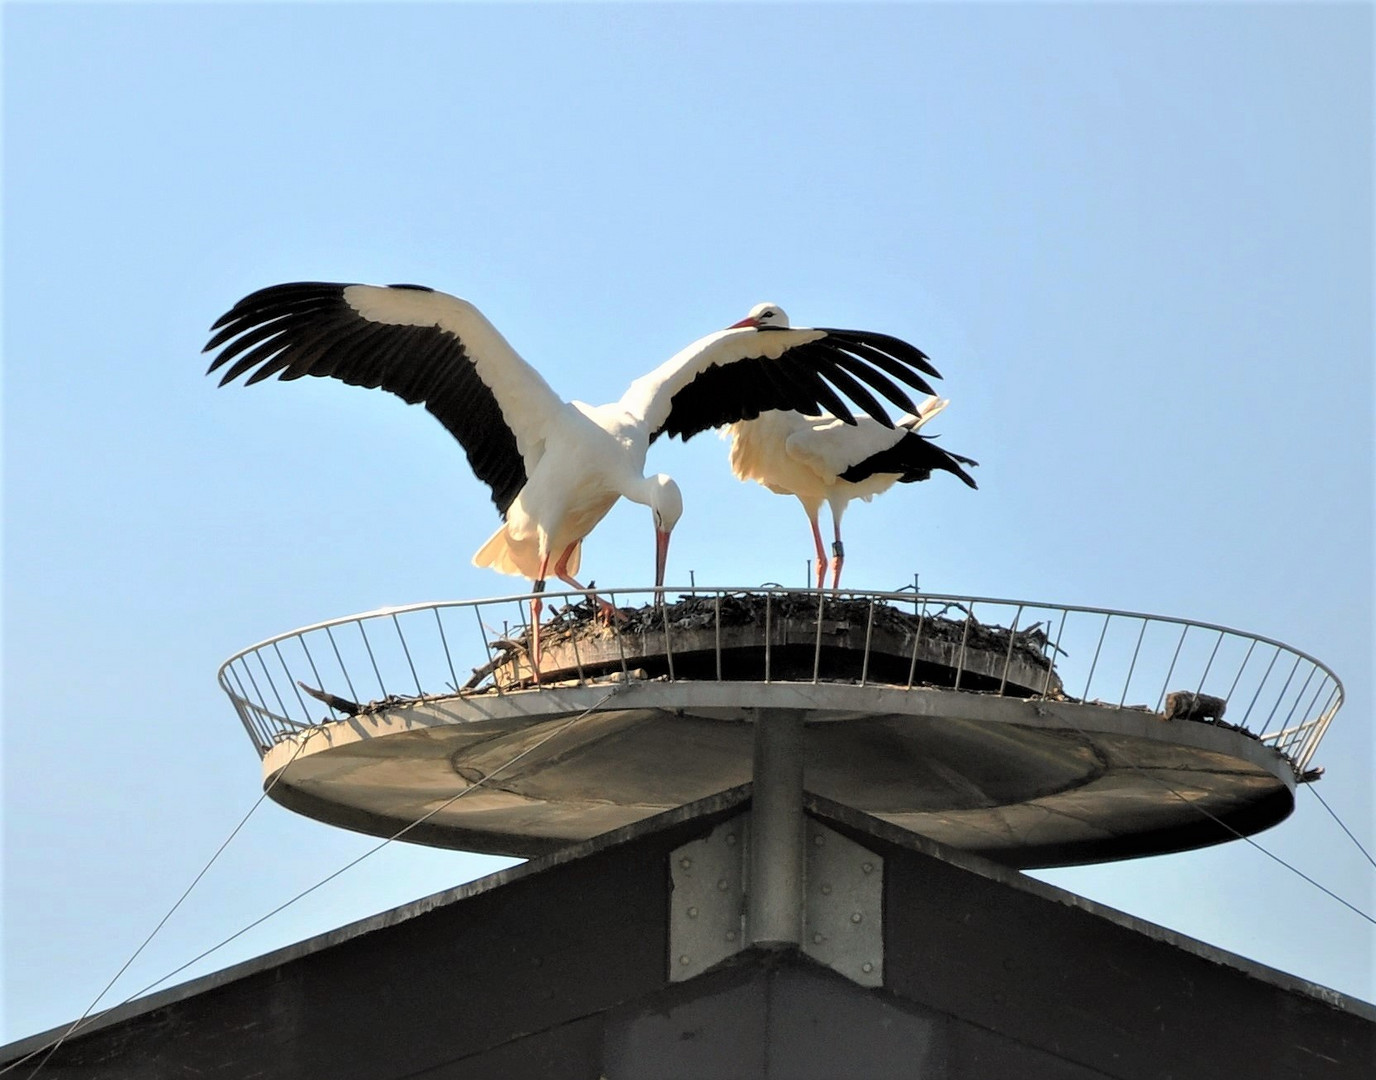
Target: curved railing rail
<point x="1123" y="659"/>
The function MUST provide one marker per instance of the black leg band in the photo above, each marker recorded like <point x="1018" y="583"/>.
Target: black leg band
<point x="838" y="549"/>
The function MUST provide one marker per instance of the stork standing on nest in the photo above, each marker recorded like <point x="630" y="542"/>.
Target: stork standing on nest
<point x="556" y="468"/>
<point x="821" y="459"/>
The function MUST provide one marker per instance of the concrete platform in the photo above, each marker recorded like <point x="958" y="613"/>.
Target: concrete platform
<point x="1029" y="783"/>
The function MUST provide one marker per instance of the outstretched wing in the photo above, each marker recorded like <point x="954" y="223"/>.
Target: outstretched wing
<point x="424" y="346"/>
<point x="737" y="374"/>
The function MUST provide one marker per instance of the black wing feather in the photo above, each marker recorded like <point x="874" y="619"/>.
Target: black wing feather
<point x="308" y="328"/>
<point x="913" y="458"/>
<point x="876" y="379"/>
<point x="855" y="390"/>
<point x="888" y="345"/>
<point x="809" y="378"/>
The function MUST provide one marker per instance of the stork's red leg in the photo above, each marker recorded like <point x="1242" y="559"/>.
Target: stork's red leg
<point x="838" y="556"/>
<point x="536" y="607"/>
<point x="561" y="571"/>
<point x="821" y="550"/>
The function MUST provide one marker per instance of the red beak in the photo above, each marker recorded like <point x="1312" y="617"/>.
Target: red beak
<point x="747" y="321"/>
<point x="661" y="556"/>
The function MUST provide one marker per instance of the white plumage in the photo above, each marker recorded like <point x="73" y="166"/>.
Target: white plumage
<point x="555" y="468"/>
<point x="821" y="459"/>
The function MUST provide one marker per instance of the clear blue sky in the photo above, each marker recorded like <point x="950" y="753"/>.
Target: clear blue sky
<point x="1136" y="240"/>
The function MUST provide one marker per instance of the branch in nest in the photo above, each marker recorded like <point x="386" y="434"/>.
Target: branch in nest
<point x="506" y="648"/>
<point x="334" y="701"/>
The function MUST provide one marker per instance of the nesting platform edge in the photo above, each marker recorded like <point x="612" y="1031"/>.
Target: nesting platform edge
<point x="1026" y="782"/>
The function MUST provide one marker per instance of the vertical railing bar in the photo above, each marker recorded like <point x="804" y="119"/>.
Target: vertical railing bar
<point x="268" y="675"/>
<point x="270" y="728"/>
<point x="315" y="672"/>
<point x="1108" y="618"/>
<point x="817" y="645"/>
<point x="917" y="638"/>
<point x="1008" y="656"/>
<point x="372" y="659"/>
<point x="1281" y="696"/>
<point x="1055" y="652"/>
<point x="1313" y="724"/>
<point x="1286" y="737"/>
<point x="620" y="645"/>
<point x="1238" y="677"/>
<point x="573" y="638"/>
<point x="1294" y="736"/>
<point x="1305" y="686"/>
<point x="240" y="708"/>
<point x="239" y="682"/>
<point x="1200" y="688"/>
<point x="444" y="643"/>
<point x="294" y="688"/>
<point x="1306" y="726"/>
<point x="264" y="714"/>
<point x="528" y="629"/>
<point x="767" y="597"/>
<point x="1335" y="701"/>
<point x="716" y="604"/>
<point x="1316" y="735"/>
<point x="343" y="670"/>
<point x="264" y="730"/>
<point x="253" y="735"/>
<point x="869" y="633"/>
<point x="263" y="733"/>
<point x="1161" y="698"/>
<point x="487" y="648"/>
<point x="1127" y="683"/>
<point x="668" y="647"/>
<point x="964" y="637"/>
<point x="402" y="638"/>
<point x="1265" y="675"/>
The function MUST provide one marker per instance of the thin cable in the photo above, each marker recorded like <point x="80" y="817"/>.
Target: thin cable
<point x="378" y="847"/>
<point x="1300" y="873"/>
<point x="83" y="1021"/>
<point x="78" y="1022"/>
<point x="1344" y="828"/>
<point x="1219" y="821"/>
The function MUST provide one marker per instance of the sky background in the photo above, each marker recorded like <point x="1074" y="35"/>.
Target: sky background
<point x="1136" y="240"/>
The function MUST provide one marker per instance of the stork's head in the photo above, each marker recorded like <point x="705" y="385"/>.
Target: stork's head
<point x="666" y="506"/>
<point x="764" y="315"/>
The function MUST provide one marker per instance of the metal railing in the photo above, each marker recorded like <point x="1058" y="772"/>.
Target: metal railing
<point x="1120" y="659"/>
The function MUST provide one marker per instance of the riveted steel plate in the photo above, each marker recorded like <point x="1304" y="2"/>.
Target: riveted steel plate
<point x="843" y="921"/>
<point x="706" y="909"/>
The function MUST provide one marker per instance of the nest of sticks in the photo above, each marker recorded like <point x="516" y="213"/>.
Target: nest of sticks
<point x="725" y="634"/>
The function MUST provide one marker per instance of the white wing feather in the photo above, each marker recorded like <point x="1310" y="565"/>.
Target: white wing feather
<point x="528" y="404"/>
<point x="650" y="397"/>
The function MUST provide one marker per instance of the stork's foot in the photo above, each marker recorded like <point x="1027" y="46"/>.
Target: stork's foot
<point x="608" y="614"/>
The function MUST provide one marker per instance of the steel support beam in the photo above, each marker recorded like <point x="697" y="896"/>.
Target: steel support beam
<point x="774" y="887"/>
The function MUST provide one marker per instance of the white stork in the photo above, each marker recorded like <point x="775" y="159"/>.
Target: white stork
<point x="555" y="468"/>
<point x="822" y="459"/>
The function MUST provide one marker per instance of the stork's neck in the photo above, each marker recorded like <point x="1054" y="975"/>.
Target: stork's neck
<point x="639" y="489"/>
